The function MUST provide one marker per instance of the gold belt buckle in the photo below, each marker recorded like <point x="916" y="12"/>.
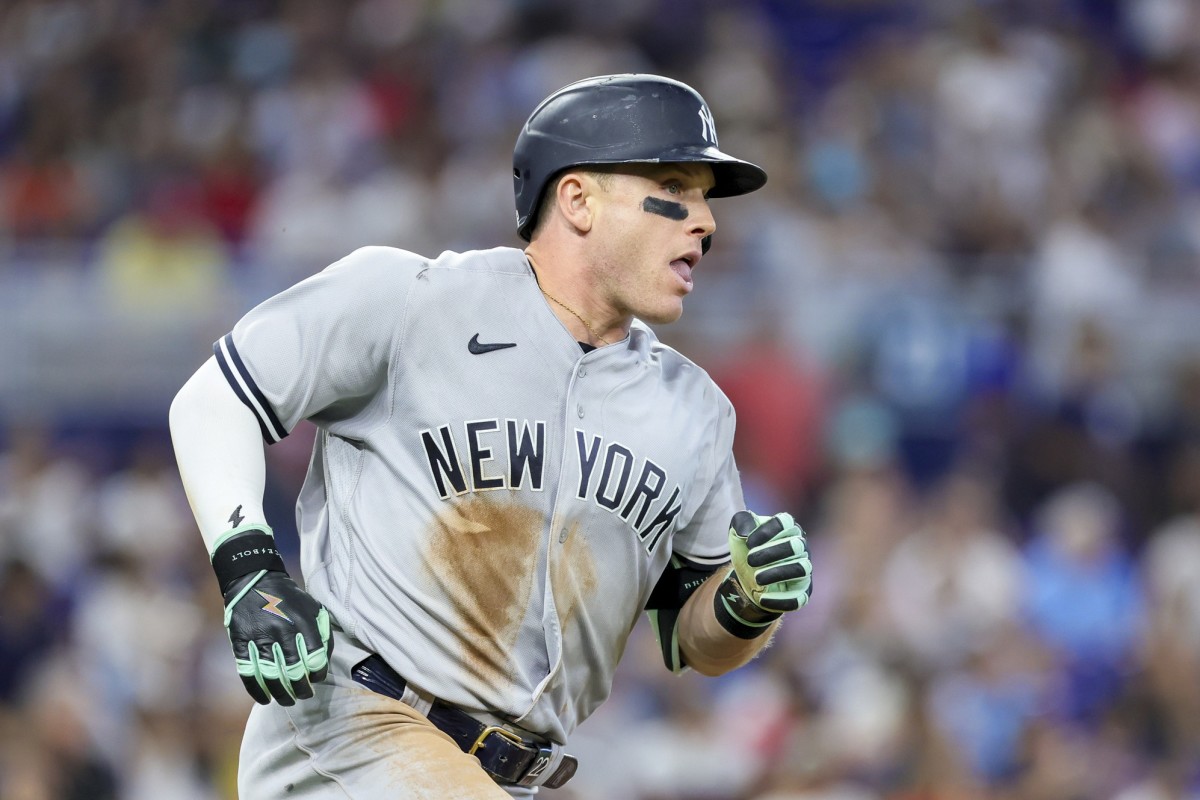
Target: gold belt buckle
<point x="504" y="733"/>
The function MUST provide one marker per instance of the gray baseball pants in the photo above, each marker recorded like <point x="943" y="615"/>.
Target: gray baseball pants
<point x="350" y="743"/>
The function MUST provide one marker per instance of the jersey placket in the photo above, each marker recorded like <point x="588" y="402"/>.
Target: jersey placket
<point x="574" y="412"/>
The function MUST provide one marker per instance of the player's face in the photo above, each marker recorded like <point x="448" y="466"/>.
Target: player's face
<point x="647" y="237"/>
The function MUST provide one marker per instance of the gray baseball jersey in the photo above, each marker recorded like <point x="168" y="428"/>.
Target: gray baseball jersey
<point x="487" y="507"/>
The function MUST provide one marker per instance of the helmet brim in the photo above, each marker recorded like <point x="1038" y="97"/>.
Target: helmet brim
<point x="731" y="176"/>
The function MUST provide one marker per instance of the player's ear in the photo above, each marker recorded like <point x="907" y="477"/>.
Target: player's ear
<point x="575" y="192"/>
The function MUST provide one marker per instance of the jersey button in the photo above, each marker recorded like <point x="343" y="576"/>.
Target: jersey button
<point x="582" y="371"/>
<point x="562" y="537"/>
<point x="581" y="412"/>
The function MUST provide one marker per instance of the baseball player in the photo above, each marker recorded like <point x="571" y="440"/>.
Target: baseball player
<point x="509" y="469"/>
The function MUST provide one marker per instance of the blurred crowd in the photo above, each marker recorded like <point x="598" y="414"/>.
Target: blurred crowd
<point x="958" y="326"/>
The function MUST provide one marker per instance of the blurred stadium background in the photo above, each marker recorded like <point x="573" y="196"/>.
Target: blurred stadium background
<point x="961" y="326"/>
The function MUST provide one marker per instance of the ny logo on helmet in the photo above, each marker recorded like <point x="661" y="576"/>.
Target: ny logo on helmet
<point x="707" y="128"/>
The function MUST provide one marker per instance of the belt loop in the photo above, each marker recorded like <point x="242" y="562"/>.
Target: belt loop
<point x="420" y="701"/>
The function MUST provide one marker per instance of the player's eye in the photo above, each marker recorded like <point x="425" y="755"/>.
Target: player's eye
<point x="673" y="187"/>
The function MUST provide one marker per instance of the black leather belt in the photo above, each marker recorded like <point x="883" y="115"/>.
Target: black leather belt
<point x="505" y="755"/>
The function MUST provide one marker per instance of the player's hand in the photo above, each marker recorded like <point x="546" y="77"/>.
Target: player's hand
<point x="280" y="634"/>
<point x="770" y="559"/>
<point x="280" y="637"/>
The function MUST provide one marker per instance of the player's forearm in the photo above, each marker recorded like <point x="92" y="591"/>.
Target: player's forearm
<point x="220" y="454"/>
<point x="706" y="645"/>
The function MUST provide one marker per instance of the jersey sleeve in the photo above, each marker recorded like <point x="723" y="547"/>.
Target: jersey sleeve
<point x="704" y="540"/>
<point x="701" y="547"/>
<point x="320" y="349"/>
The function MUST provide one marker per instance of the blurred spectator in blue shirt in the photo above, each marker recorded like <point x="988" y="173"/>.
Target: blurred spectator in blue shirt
<point x="1084" y="598"/>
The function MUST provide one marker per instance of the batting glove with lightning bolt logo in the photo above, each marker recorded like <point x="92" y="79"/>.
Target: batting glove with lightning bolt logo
<point x="280" y="634"/>
<point x="772" y="573"/>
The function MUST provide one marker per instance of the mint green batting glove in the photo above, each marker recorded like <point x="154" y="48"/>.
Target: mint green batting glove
<point x="770" y="559"/>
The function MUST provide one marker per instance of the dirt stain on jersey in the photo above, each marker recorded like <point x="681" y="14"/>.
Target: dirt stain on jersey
<point x="573" y="575"/>
<point x="483" y="553"/>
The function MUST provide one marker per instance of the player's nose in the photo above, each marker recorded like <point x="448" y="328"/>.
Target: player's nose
<point x="701" y="222"/>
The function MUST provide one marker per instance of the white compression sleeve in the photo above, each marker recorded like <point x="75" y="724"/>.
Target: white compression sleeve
<point x="219" y="450"/>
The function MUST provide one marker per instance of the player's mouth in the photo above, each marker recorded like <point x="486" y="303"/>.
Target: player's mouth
<point x="683" y="267"/>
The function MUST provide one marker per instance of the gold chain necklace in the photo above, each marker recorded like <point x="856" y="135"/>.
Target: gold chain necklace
<point x="570" y="310"/>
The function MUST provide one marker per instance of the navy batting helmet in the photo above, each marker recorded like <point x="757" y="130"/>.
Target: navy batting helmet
<point x="620" y="119"/>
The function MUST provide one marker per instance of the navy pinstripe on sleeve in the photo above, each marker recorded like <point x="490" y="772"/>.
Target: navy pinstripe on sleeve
<point x="247" y="390"/>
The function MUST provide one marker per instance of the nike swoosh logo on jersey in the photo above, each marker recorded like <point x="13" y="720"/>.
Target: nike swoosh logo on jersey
<point x="478" y="348"/>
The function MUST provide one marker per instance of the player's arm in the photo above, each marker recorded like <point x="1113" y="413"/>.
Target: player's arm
<point x="280" y="635"/>
<point x="219" y="450"/>
<point x="732" y="615"/>
<point x="679" y="582"/>
<point x="715" y="619"/>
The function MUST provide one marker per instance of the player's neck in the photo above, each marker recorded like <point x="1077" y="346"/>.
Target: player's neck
<point x="574" y="306"/>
